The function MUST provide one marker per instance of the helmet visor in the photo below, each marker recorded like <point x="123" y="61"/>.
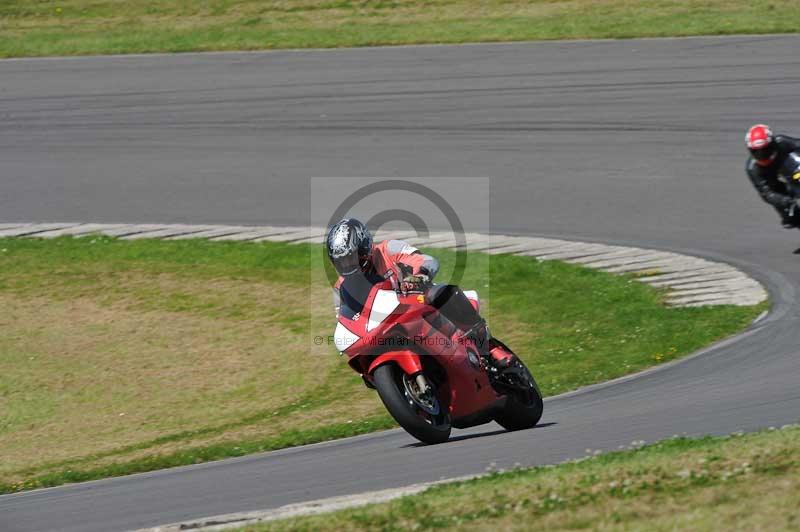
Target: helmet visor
<point x="347" y="265"/>
<point x="763" y="154"/>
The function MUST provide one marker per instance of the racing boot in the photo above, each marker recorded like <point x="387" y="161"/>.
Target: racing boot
<point x="497" y="357"/>
<point x="501" y="357"/>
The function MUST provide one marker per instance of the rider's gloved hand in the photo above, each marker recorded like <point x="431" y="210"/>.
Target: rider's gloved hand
<point x="415" y="283"/>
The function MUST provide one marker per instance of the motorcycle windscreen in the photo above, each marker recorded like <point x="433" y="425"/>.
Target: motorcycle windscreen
<point x="383" y="305"/>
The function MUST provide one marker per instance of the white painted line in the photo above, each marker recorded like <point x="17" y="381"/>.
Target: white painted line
<point x="253" y="233"/>
<point x="293" y="235"/>
<point x="176" y="230"/>
<point x="449" y="242"/>
<point x="733" y="298"/>
<point x="14" y="230"/>
<point x="662" y="265"/>
<point x="319" y="239"/>
<point x="741" y="282"/>
<point x="744" y="303"/>
<point x="645" y="257"/>
<point x="32" y="229"/>
<point x="78" y="230"/>
<point x="430" y="239"/>
<point x="692" y="276"/>
<point x="725" y="289"/>
<point x="5" y="226"/>
<point x="394" y="235"/>
<point x="542" y="249"/>
<point x="719" y="299"/>
<point x="678" y="284"/>
<point x="489" y="244"/>
<point x="586" y="253"/>
<point x="520" y="245"/>
<point x="210" y="233"/>
<point x="132" y="229"/>
<point x="617" y="253"/>
<point x="514" y="249"/>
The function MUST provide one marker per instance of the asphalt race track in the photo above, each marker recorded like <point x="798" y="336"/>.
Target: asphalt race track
<point x="630" y="142"/>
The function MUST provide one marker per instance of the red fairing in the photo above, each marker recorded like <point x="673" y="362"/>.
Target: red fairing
<point x="389" y="317"/>
<point x="408" y="361"/>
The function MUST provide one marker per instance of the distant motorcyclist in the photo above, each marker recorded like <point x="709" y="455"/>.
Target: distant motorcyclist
<point x="355" y="256"/>
<point x="770" y="174"/>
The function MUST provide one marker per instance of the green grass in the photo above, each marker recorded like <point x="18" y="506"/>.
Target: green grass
<point x="747" y="482"/>
<point x="72" y="27"/>
<point x="126" y="356"/>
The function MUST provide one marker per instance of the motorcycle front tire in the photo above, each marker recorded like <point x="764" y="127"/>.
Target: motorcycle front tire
<point x="388" y="380"/>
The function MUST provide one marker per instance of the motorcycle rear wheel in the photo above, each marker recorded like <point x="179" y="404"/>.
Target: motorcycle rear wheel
<point x="413" y="415"/>
<point x="524" y="407"/>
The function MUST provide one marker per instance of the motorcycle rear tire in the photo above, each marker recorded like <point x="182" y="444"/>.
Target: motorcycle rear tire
<point x="389" y="384"/>
<point x="518" y="414"/>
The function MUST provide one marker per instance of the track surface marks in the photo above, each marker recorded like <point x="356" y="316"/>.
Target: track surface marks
<point x="635" y="142"/>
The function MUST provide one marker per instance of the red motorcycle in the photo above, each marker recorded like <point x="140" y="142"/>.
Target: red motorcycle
<point x="428" y="375"/>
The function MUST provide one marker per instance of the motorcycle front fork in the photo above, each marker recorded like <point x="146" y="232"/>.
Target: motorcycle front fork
<point x="422" y="384"/>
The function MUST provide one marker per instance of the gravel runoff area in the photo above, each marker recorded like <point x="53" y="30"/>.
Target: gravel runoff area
<point x="691" y="281"/>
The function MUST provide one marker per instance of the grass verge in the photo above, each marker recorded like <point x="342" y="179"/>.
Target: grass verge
<point x="77" y="27"/>
<point x="126" y="356"/>
<point x="749" y="482"/>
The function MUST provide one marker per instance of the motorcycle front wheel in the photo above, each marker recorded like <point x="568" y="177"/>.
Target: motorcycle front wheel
<point x="421" y="415"/>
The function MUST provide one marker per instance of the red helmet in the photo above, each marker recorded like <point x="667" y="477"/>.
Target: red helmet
<point x="761" y="143"/>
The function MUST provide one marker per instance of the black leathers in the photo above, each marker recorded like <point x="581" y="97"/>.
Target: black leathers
<point x="767" y="179"/>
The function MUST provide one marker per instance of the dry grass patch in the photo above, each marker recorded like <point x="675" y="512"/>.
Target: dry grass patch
<point x="84" y="377"/>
